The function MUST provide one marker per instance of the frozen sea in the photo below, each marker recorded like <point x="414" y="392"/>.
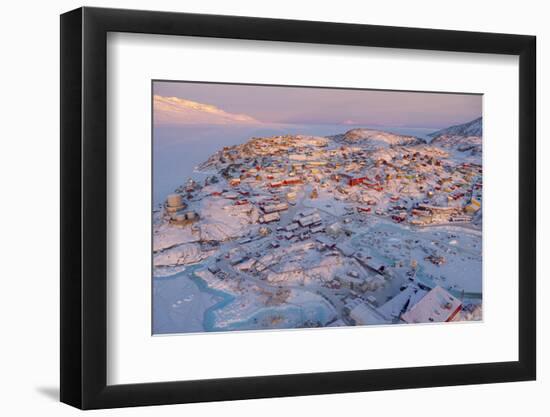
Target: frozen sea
<point x="183" y="303"/>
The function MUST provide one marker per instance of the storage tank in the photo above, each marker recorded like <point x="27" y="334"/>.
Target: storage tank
<point x="174" y="200"/>
<point x="174" y="203"/>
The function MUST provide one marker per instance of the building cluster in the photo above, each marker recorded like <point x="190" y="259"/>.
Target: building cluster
<point x="285" y="183"/>
<point x="421" y="187"/>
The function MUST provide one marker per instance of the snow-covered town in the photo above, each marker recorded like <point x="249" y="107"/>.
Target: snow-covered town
<point x="361" y="228"/>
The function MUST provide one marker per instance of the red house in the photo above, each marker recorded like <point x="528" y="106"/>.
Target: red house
<point x="357" y="180"/>
<point x="292" y="181"/>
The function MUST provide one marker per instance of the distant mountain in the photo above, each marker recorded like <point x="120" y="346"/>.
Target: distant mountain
<point x="176" y="110"/>
<point x="466" y="137"/>
<point x="378" y="138"/>
<point x="473" y="128"/>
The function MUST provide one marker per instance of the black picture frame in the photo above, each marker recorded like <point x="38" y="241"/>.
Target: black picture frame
<point x="84" y="207"/>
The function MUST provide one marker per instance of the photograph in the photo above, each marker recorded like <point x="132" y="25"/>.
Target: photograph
<point x="291" y="207"/>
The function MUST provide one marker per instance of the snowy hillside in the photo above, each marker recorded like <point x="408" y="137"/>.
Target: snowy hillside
<point x="378" y="139"/>
<point x="460" y="143"/>
<point x="466" y="137"/>
<point x="473" y="128"/>
<point x="299" y="231"/>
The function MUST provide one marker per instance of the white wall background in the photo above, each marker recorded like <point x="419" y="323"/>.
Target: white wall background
<point x="29" y="219"/>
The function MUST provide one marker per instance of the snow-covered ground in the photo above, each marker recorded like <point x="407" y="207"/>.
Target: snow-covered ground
<point x="307" y="231"/>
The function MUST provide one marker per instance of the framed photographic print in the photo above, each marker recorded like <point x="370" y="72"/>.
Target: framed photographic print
<point x="257" y="208"/>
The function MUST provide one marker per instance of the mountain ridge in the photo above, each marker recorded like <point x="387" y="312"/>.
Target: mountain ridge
<point x="378" y="138"/>
<point x="471" y="128"/>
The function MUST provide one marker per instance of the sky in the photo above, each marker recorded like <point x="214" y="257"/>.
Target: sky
<point x="187" y="103"/>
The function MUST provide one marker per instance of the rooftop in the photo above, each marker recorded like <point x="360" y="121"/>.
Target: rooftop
<point x="437" y="306"/>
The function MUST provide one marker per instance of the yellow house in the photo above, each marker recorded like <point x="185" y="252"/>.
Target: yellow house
<point x="473" y="207"/>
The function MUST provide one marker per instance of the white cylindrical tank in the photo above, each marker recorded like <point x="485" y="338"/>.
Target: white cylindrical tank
<point x="174" y="200"/>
